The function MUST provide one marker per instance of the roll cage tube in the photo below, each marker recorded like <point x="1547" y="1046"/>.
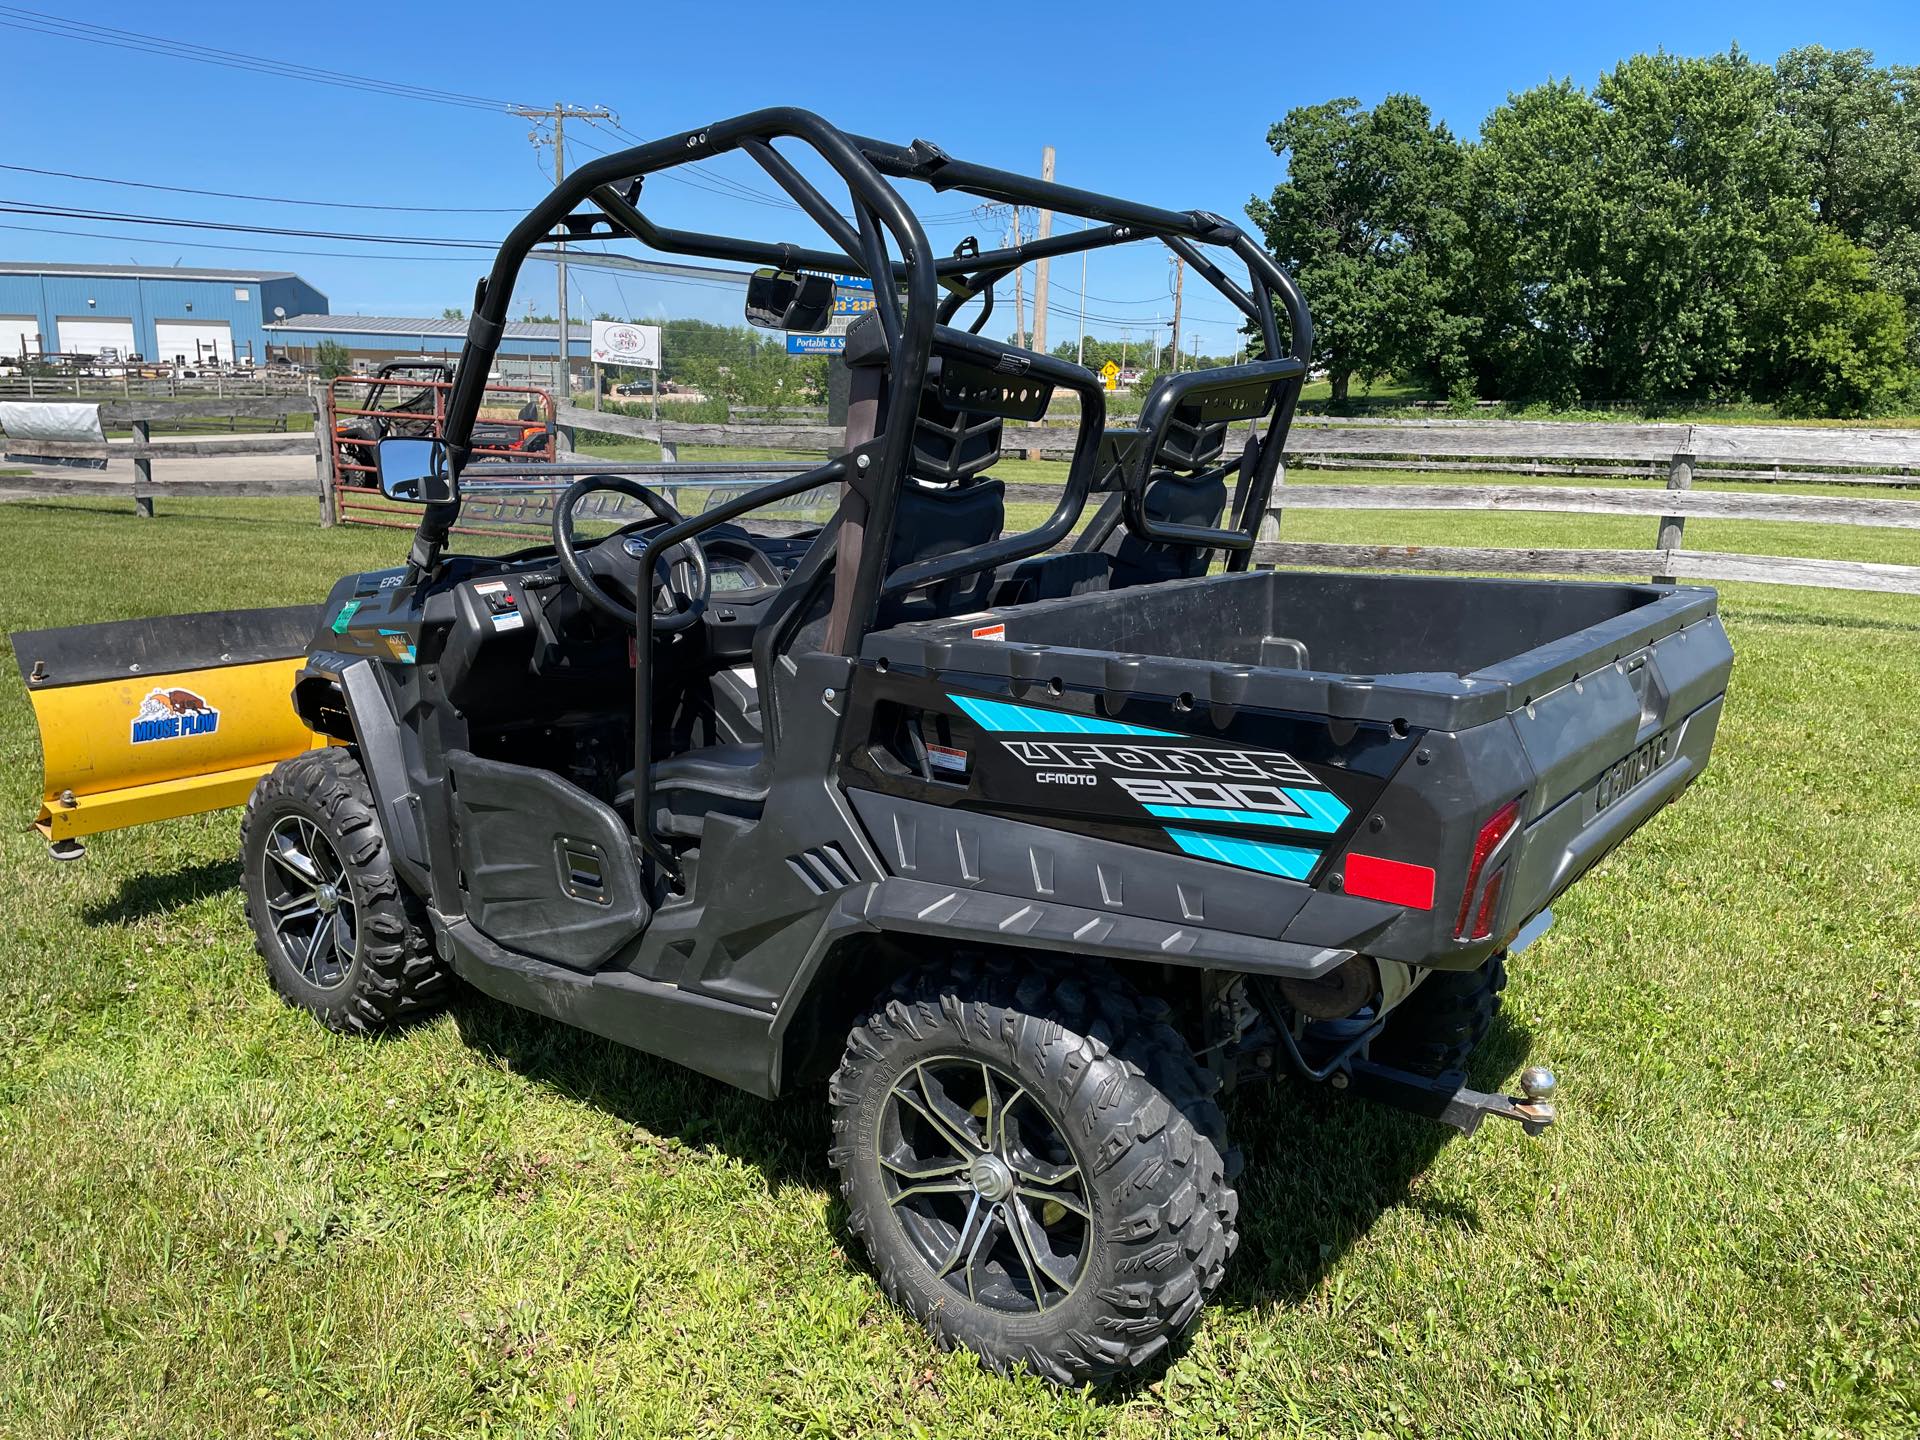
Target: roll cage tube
<point x="614" y="183"/>
<point x="880" y="213"/>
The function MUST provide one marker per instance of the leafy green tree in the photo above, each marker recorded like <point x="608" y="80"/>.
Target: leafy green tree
<point x="1856" y="134"/>
<point x="1368" y="222"/>
<point x="758" y="372"/>
<point x="1622" y="239"/>
<point x="1831" y="341"/>
<point x="331" y="359"/>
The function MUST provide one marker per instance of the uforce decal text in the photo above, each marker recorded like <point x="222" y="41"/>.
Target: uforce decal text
<point x="1204" y="762"/>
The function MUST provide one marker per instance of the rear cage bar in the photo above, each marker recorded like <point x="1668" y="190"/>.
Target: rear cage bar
<point x="613" y="185"/>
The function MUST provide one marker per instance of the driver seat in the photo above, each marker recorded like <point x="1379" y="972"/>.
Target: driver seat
<point x="947" y="505"/>
<point x="712" y="780"/>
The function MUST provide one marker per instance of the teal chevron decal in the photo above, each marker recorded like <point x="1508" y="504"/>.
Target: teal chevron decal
<point x="1286" y="861"/>
<point x="1002" y="718"/>
<point x="1321" y="812"/>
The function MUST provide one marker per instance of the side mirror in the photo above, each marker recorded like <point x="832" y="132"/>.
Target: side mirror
<point x="414" y="470"/>
<point x="782" y="300"/>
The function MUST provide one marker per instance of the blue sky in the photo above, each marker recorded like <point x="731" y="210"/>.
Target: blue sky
<point x="1139" y="100"/>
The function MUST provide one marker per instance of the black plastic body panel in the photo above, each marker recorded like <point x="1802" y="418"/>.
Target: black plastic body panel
<point x="1436" y="653"/>
<point x="1548" y="686"/>
<point x="548" y="870"/>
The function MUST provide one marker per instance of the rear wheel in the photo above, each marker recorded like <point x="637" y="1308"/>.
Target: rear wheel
<point x="1438" y="1027"/>
<point x="1016" y="1151"/>
<point x="341" y="936"/>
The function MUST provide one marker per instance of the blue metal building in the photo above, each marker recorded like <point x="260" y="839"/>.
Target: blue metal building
<point x="159" y="313"/>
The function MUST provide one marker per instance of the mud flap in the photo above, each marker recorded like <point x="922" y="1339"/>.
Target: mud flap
<point x="144" y="720"/>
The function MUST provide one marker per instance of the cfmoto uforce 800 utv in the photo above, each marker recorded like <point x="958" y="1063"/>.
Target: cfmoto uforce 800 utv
<point x="1029" y="840"/>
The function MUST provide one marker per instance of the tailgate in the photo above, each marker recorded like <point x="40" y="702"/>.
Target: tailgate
<point x="1608" y="751"/>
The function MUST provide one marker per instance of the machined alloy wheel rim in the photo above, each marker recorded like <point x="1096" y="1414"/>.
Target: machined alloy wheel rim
<point x="983" y="1184"/>
<point x="310" y="901"/>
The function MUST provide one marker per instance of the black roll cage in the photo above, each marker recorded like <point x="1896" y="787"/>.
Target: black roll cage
<point x="912" y="323"/>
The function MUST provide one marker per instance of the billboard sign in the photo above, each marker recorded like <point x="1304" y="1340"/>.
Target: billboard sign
<point x="615" y="342"/>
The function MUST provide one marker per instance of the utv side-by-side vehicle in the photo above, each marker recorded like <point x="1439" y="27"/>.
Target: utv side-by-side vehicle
<point x="1028" y="842"/>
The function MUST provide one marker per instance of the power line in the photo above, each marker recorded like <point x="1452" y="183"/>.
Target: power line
<point x="62" y="212"/>
<point x="173" y="240"/>
<point x="39" y="22"/>
<point x="270" y="199"/>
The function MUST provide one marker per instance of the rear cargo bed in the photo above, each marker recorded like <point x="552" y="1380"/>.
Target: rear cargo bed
<point x="1435" y="652"/>
<point x="1588" y="706"/>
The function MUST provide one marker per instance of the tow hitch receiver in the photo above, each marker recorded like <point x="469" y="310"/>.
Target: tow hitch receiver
<point x="1446" y="1099"/>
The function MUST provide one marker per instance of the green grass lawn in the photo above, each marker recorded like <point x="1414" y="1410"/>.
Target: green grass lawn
<point x="218" y="1219"/>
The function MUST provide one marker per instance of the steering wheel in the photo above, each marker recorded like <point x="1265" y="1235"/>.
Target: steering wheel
<point x="690" y="598"/>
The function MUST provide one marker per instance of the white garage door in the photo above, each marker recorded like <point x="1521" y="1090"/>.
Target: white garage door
<point x="16" y="330"/>
<point x="193" y="342"/>
<point x="92" y="335"/>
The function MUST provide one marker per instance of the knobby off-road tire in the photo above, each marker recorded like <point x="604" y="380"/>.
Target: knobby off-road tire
<point x="1438" y="1027"/>
<point x="342" y="937"/>
<point x="1112" y="1112"/>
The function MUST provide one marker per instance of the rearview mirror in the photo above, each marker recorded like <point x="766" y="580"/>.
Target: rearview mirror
<point x="782" y="300"/>
<point x="414" y="470"/>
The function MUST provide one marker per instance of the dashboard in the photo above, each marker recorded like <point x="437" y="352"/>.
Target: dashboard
<point x="737" y="566"/>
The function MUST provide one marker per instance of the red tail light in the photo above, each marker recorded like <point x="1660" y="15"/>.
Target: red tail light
<point x="1492" y="835"/>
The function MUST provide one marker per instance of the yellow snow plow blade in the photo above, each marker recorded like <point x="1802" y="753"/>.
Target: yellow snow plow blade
<point x="144" y="720"/>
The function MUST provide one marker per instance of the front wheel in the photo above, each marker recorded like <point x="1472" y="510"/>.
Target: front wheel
<point x="1030" y="1160"/>
<point x="341" y="936"/>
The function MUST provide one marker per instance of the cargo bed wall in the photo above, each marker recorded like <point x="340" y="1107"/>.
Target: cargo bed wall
<point x="1350" y="624"/>
<point x="1431" y="652"/>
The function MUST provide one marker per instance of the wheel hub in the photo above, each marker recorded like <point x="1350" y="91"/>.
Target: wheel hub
<point x="309" y="901"/>
<point x="990" y="1177"/>
<point x="984" y="1185"/>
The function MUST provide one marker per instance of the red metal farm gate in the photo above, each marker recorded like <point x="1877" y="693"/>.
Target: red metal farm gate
<point x="516" y="423"/>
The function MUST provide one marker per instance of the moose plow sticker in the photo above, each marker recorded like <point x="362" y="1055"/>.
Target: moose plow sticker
<point x="173" y="715"/>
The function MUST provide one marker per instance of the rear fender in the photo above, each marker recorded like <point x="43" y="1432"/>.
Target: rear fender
<point x="145" y="720"/>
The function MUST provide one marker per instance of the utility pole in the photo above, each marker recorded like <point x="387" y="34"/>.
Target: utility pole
<point x="1019" y="288"/>
<point x="1081" y="359"/>
<point x="1126" y="348"/>
<point x="1040" y="274"/>
<point x="559" y="115"/>
<point x="1179" y="283"/>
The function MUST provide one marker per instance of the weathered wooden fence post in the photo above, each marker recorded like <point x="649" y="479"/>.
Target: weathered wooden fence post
<point x="143" y="472"/>
<point x="1673" y="527"/>
<point x="669" y="451"/>
<point x="323" y="469"/>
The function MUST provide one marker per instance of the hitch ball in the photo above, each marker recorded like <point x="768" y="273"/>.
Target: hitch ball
<point x="1537" y="1083"/>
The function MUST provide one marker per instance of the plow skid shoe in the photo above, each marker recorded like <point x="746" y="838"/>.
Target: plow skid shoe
<point x="144" y="720"/>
